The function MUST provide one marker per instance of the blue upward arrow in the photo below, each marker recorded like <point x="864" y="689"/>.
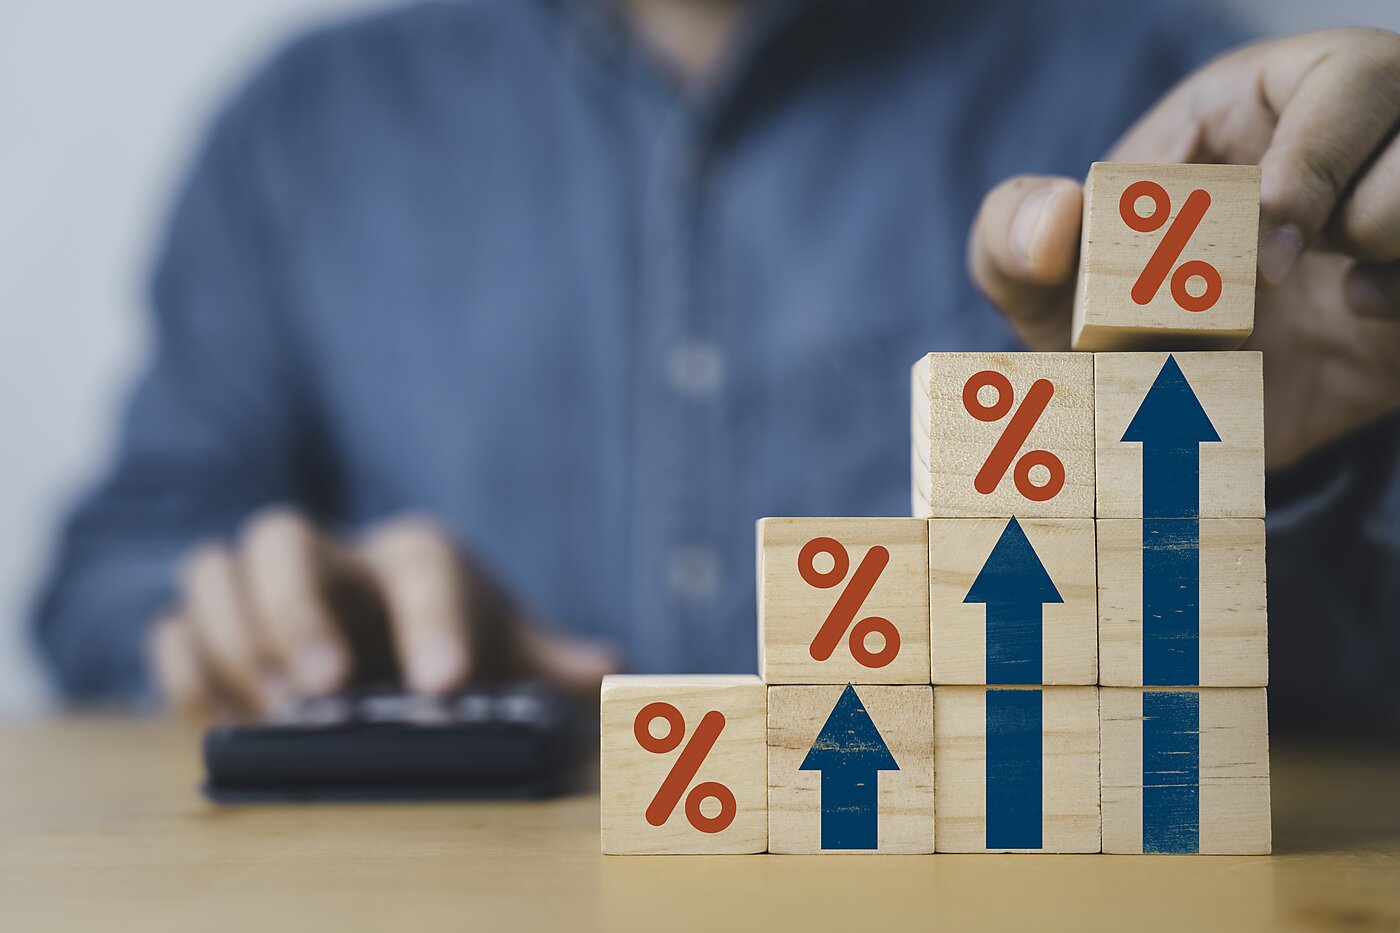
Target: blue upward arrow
<point x="850" y="754"/>
<point x="1015" y="587"/>
<point x="1171" y="425"/>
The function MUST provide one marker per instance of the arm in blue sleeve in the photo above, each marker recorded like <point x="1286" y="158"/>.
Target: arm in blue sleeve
<point x="214" y="429"/>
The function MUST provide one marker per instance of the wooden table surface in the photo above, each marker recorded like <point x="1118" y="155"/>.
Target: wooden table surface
<point x="101" y="828"/>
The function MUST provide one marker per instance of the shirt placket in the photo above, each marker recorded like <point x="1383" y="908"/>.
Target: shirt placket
<point x="679" y="569"/>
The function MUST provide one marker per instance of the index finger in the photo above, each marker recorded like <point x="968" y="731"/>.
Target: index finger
<point x="1311" y="110"/>
<point x="285" y="562"/>
<point x="1336" y="107"/>
<point x="418" y="573"/>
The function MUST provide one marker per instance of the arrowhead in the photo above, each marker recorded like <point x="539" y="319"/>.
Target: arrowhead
<point x="1013" y="573"/>
<point x="1170" y="412"/>
<point x="849" y="738"/>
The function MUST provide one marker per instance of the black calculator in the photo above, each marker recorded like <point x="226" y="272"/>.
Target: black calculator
<point x="513" y="740"/>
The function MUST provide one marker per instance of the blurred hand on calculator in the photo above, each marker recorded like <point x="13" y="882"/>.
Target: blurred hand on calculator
<point x="287" y="611"/>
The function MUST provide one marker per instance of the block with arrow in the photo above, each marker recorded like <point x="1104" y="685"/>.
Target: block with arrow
<point x="1013" y="601"/>
<point x="1185" y="772"/>
<point x="1181" y="536"/>
<point x="1018" y="769"/>
<point x="1179" y="436"/>
<point x="850" y="768"/>
<point x="1182" y="603"/>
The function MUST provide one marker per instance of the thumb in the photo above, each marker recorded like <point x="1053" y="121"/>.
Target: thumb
<point x="1023" y="253"/>
<point x="574" y="665"/>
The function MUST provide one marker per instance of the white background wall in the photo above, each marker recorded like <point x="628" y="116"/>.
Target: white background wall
<point x="100" y="104"/>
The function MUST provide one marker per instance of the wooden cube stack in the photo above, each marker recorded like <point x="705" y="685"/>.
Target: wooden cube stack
<point x="1065" y="648"/>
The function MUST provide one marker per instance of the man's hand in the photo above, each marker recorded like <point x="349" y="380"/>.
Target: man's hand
<point x="1319" y="113"/>
<point x="288" y="612"/>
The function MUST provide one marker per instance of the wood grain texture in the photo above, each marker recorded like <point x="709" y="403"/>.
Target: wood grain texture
<point x="1113" y="255"/>
<point x="1070" y="762"/>
<point x="904" y="717"/>
<point x="1230" y="388"/>
<point x="1234" y="631"/>
<point x="791" y="611"/>
<point x="1234" y="799"/>
<point x="958" y="550"/>
<point x="104" y="829"/>
<point x="949" y="446"/>
<point x="630" y="775"/>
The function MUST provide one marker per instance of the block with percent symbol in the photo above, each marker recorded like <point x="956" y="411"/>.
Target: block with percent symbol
<point x="1186" y="771"/>
<point x="1018" y="769"/>
<point x="1002" y="434"/>
<point x="1179" y="435"/>
<point x="850" y="768"/>
<point x="1182" y="602"/>
<point x="843" y="600"/>
<point x="683" y="765"/>
<point x="1013" y="601"/>
<point x="1167" y="257"/>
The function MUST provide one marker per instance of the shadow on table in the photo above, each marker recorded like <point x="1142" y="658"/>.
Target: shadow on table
<point x="1335" y="798"/>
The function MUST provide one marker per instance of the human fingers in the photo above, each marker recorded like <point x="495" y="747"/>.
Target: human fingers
<point x="1023" y="251"/>
<point x="1337" y="103"/>
<point x="576" y="666"/>
<point x="285" y="562"/>
<point x="1373" y="290"/>
<point x="224" y="632"/>
<point x="419" y="575"/>
<point x="176" y="666"/>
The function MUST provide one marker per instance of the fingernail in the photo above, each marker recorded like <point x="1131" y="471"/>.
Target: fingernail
<point x="1367" y="298"/>
<point x="1279" y="250"/>
<point x="438" y="665"/>
<point x="1026" y="226"/>
<point x="319" y="666"/>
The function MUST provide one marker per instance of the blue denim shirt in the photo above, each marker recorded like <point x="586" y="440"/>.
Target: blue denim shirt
<point x="486" y="260"/>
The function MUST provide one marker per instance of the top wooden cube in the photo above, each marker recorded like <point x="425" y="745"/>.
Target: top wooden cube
<point x="1003" y="434"/>
<point x="1167" y="257"/>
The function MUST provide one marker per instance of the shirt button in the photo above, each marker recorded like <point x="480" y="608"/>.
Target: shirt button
<point x="693" y="573"/>
<point x="695" y="368"/>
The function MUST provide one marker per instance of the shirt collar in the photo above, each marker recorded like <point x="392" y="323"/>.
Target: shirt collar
<point x="600" y="28"/>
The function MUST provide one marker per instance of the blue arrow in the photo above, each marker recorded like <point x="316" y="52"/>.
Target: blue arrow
<point x="1171" y="603"/>
<point x="1171" y="771"/>
<point x="1015" y="769"/>
<point x="1171" y="425"/>
<point x="1015" y="587"/>
<point x="850" y="754"/>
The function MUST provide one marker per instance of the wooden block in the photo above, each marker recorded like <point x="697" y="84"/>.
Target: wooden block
<point x="843" y="600"/>
<point x="1179" y="435"/>
<point x="1186" y="771"/>
<point x="1002" y="434"/>
<point x="1205" y="616"/>
<point x="1018" y="769"/>
<point x="702" y="787"/>
<point x="850" y="768"/>
<point x="1181" y="275"/>
<point x="1013" y="601"/>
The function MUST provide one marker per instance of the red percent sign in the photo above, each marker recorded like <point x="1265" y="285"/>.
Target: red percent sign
<point x="1171" y="246"/>
<point x="849" y="603"/>
<point x="1018" y="429"/>
<point x="685" y="767"/>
